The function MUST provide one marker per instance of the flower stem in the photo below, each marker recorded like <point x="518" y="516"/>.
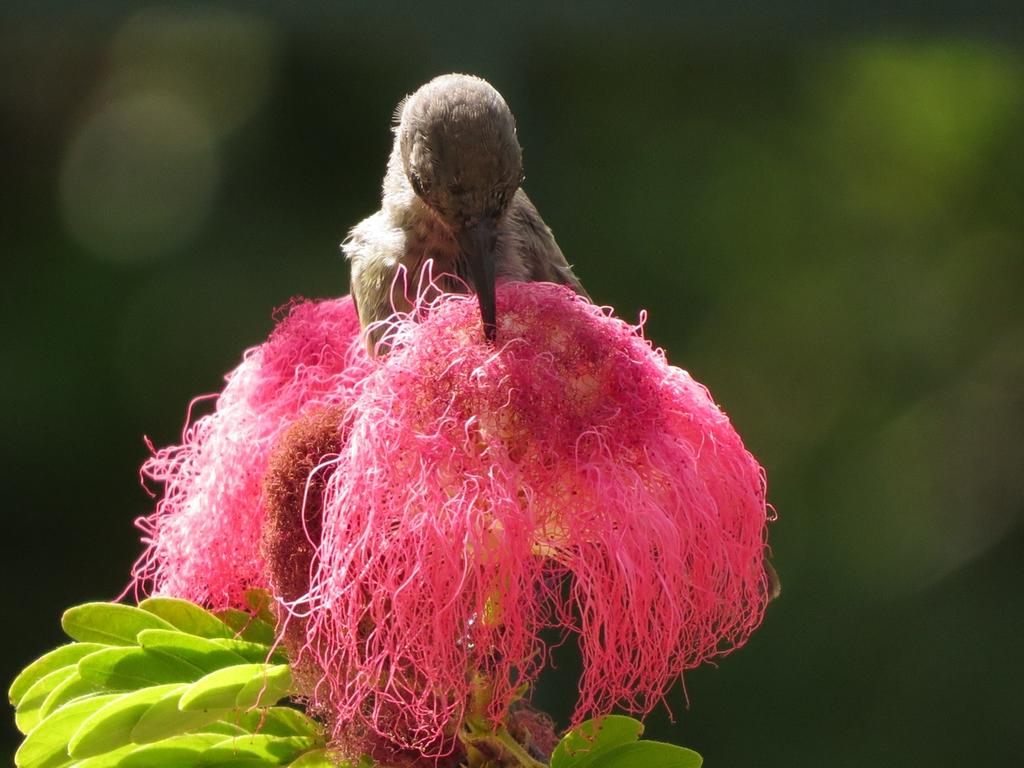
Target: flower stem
<point x="496" y="744"/>
<point x="487" y="744"/>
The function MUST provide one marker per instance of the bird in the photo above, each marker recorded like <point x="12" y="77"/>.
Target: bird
<point x="452" y="195"/>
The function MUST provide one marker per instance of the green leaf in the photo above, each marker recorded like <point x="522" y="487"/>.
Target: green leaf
<point x="64" y="656"/>
<point x="107" y="759"/>
<point x="165" y="718"/>
<point x="179" y="751"/>
<point x="202" y="653"/>
<point x="272" y="721"/>
<point x="255" y="653"/>
<point x="264" y="690"/>
<point x="582" y="745"/>
<point x="261" y="602"/>
<point x="244" y="685"/>
<point x="72" y="688"/>
<point x="187" y="617"/>
<point x="111" y="726"/>
<point x="28" y="713"/>
<point x="228" y="727"/>
<point x="276" y="750"/>
<point x="46" y="744"/>
<point x="647" y="754"/>
<point x="247" y="626"/>
<point x="318" y="758"/>
<point x="128" y="668"/>
<point x="110" y="623"/>
<point x="280" y="721"/>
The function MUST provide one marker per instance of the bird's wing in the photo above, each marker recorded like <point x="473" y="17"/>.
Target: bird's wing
<point x="539" y="257"/>
<point x="374" y="250"/>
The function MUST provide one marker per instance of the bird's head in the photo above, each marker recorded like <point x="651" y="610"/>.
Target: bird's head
<point x="460" y="153"/>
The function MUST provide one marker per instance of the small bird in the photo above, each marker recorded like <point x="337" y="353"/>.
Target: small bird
<point x="451" y="195"/>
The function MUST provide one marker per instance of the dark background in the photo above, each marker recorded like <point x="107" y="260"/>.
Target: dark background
<point x="820" y="204"/>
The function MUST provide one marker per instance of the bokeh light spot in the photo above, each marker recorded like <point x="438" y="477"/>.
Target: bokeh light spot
<point x="218" y="61"/>
<point x="910" y="121"/>
<point x="139" y="178"/>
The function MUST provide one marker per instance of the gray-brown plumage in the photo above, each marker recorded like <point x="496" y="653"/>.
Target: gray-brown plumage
<point x="451" y="195"/>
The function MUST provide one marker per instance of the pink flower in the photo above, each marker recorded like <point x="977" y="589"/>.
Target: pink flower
<point x="568" y="478"/>
<point x="204" y="537"/>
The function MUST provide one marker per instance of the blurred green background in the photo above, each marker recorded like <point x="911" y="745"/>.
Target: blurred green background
<point x="820" y="204"/>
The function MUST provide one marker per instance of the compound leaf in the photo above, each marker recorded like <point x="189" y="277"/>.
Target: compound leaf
<point x="64" y="656"/>
<point x="243" y="685"/>
<point x="109" y="623"/>
<point x="187" y="617"/>
<point x="582" y="745"/>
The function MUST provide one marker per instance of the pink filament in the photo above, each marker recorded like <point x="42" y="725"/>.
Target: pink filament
<point x="203" y="540"/>
<point x="567" y="478"/>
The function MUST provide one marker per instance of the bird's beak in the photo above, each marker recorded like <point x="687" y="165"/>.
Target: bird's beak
<point x="477" y="243"/>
